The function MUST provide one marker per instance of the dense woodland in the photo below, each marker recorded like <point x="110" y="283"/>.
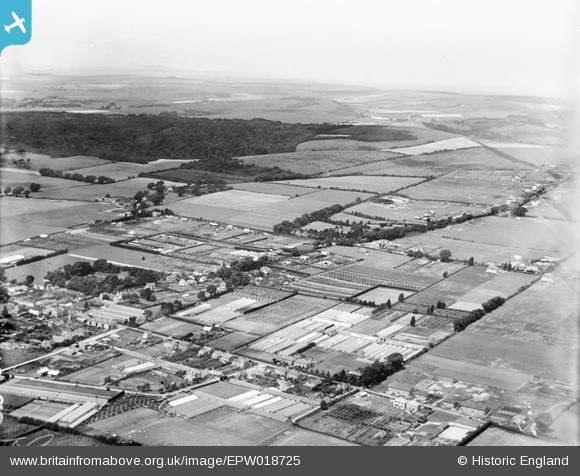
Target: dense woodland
<point x="145" y="138"/>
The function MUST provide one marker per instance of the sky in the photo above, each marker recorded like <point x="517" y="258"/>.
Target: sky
<point x="527" y="47"/>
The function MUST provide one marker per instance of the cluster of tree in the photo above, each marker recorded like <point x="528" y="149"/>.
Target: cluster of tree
<point x="4" y="294"/>
<point x="202" y="187"/>
<point x="80" y="276"/>
<point x="324" y="214"/>
<point x="373" y="133"/>
<point x="33" y="259"/>
<point x="382" y="307"/>
<point x="461" y="323"/>
<point x="372" y="374"/>
<point x="48" y="172"/>
<point x="168" y="308"/>
<point x="144" y="138"/>
<point x="519" y="211"/>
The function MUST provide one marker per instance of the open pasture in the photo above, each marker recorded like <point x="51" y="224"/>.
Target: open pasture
<point x="410" y="210"/>
<point x="504" y="284"/>
<point x="544" y="237"/>
<point x="450" y="289"/>
<point x="172" y="327"/>
<point x="373" y="184"/>
<point x="376" y="258"/>
<point x="124" y="170"/>
<point x="220" y="427"/>
<point x="276" y="188"/>
<point x="496" y="352"/>
<point x="545" y="313"/>
<point x="333" y="361"/>
<point x="54" y="184"/>
<point x="344" y="144"/>
<point x="12" y="253"/>
<point x="301" y="437"/>
<point x="463" y="190"/>
<point x="32" y="161"/>
<point x="463" y="250"/>
<point x="318" y="162"/>
<point x="126" y="257"/>
<point x="383" y="294"/>
<point x="236" y="200"/>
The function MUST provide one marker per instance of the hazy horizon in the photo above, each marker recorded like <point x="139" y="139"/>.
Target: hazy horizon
<point x="524" y="48"/>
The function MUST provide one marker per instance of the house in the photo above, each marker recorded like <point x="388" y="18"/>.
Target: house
<point x="473" y="409"/>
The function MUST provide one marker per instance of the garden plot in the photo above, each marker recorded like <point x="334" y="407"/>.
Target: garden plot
<point x="455" y="143"/>
<point x="369" y="275"/>
<point x="358" y="182"/>
<point x="289" y="311"/>
<point x="352" y="423"/>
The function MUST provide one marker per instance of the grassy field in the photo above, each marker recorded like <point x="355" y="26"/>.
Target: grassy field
<point x="382" y="294"/>
<point x="40" y="409"/>
<point x="219" y="427"/>
<point x="126" y="257"/>
<point x="452" y="288"/>
<point x="54" y="184"/>
<point x="496" y="352"/>
<point x="504" y="285"/>
<point x="377" y="258"/>
<point x="124" y="170"/>
<point x="39" y="161"/>
<point x="13" y="251"/>
<point x="499" y="437"/>
<point x="549" y="237"/>
<point x="172" y="327"/>
<point x="274" y="188"/>
<point x="302" y="437"/>
<point x="320" y="161"/>
<point x="544" y="313"/>
<point x="412" y="209"/>
<point x="455" y="143"/>
<point x="357" y="182"/>
<point x="485" y="192"/>
<point x="434" y="241"/>
<point x="236" y="200"/>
